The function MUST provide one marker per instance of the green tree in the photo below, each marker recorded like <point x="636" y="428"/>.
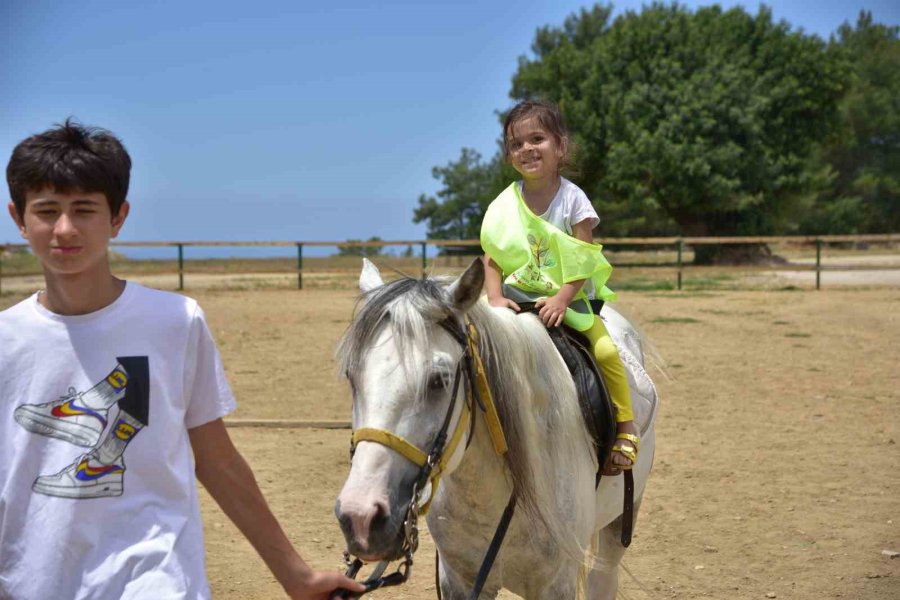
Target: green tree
<point x="860" y="165"/>
<point x="365" y="251"/>
<point x="707" y="117"/>
<point x="469" y="185"/>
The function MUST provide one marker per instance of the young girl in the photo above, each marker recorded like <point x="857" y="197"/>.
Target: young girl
<point x="538" y="244"/>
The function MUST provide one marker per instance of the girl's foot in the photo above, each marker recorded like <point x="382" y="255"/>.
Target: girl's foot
<point x="624" y="450"/>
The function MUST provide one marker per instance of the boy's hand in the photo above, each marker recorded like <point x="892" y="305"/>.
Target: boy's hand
<point x="552" y="310"/>
<point x="503" y="302"/>
<point x="319" y="585"/>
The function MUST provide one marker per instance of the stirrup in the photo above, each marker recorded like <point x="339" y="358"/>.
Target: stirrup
<point x="629" y="453"/>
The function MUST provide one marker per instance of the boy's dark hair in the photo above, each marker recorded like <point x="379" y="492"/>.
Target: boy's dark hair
<point x="70" y="158"/>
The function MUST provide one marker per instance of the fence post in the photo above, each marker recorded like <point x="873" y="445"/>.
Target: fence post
<point x="180" y="267"/>
<point x="680" y="265"/>
<point x="424" y="260"/>
<point x="818" y="263"/>
<point x="299" y="265"/>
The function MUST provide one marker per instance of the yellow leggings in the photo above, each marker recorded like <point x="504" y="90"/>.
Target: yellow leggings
<point x="613" y="370"/>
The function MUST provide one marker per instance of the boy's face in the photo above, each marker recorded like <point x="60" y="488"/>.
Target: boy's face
<point x="70" y="232"/>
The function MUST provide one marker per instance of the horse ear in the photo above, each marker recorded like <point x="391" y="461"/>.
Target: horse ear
<point x="466" y="290"/>
<point x="370" y="277"/>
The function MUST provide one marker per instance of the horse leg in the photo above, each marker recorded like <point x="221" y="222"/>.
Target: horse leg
<point x="454" y="587"/>
<point x="603" y="579"/>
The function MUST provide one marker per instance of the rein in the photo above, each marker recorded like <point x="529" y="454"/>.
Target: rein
<point x="470" y="370"/>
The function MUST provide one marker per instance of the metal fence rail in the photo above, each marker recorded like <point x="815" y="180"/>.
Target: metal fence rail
<point x="676" y="244"/>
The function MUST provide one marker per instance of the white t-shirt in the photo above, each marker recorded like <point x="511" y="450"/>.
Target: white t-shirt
<point x="72" y="523"/>
<point x="569" y="207"/>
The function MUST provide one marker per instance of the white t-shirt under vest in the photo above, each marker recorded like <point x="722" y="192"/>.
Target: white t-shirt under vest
<point x="569" y="207"/>
<point x="98" y="498"/>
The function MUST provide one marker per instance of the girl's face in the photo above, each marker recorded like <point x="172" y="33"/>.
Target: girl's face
<point x="533" y="151"/>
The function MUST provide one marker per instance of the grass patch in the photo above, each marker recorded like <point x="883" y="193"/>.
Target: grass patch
<point x="675" y="320"/>
<point x="713" y="281"/>
<point x="644" y="285"/>
<point x="716" y="311"/>
<point x="780" y="323"/>
<point x="20" y="262"/>
<point x="797" y="334"/>
<point x="683" y="294"/>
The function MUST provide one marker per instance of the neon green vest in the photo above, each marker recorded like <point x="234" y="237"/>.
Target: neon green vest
<point x="538" y="258"/>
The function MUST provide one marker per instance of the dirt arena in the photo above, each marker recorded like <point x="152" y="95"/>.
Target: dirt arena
<point x="777" y="472"/>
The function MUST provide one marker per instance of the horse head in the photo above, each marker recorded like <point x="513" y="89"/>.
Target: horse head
<point x="402" y="362"/>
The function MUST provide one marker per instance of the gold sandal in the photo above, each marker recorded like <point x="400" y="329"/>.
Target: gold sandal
<point x="627" y="452"/>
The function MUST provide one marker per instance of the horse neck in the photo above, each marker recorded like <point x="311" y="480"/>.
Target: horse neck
<point x="480" y="482"/>
<point x="531" y="386"/>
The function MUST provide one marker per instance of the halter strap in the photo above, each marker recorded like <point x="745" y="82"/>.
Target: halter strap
<point x="470" y="369"/>
<point x="392" y="441"/>
<point x="433" y="464"/>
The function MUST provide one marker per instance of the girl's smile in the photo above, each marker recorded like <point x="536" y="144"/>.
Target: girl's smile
<point x="533" y="151"/>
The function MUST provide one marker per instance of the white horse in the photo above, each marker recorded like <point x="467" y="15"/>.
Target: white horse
<point x="564" y="538"/>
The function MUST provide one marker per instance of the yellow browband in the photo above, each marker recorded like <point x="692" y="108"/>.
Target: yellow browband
<point x="419" y="458"/>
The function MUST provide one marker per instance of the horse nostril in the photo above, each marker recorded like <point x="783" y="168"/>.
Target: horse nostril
<point x="360" y="520"/>
<point x="382" y="511"/>
<point x="345" y="522"/>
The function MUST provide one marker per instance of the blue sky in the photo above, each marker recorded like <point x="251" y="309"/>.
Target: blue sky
<point x="286" y="120"/>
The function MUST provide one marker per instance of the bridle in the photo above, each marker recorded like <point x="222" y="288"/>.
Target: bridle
<point x="470" y="371"/>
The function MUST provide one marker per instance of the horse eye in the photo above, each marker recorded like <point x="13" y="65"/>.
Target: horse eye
<point x="437" y="381"/>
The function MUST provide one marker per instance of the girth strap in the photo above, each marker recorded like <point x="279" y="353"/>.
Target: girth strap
<point x="628" y="508"/>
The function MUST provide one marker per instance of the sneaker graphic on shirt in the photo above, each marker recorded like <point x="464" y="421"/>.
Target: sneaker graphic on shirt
<point x="66" y="419"/>
<point x="85" y="478"/>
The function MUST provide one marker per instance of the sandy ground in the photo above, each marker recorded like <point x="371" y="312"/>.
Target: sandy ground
<point x="777" y="471"/>
<point x="862" y="277"/>
<point x="885" y="271"/>
<point x="778" y="468"/>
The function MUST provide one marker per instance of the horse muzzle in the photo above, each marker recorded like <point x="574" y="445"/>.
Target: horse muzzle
<point x="372" y="530"/>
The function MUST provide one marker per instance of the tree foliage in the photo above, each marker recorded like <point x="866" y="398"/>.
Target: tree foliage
<point x="707" y="122"/>
<point x="708" y="116"/>
<point x="860" y="165"/>
<point x="363" y="251"/>
<point x="469" y="185"/>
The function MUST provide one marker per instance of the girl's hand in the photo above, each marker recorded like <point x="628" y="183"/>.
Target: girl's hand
<point x="503" y="302"/>
<point x="552" y="310"/>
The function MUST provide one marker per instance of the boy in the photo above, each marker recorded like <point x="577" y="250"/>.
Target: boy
<point x="111" y="399"/>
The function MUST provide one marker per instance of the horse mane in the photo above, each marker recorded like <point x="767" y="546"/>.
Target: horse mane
<point x="527" y="378"/>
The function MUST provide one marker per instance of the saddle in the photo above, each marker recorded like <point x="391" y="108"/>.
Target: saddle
<point x="593" y="396"/>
